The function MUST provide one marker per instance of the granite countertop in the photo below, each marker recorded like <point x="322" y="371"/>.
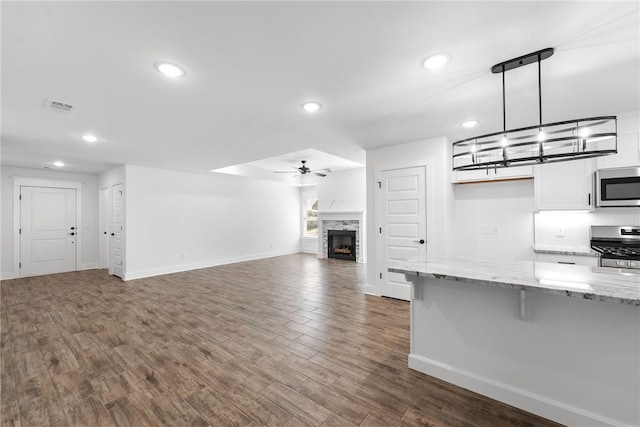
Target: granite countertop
<point x="565" y="250"/>
<point x="577" y="281"/>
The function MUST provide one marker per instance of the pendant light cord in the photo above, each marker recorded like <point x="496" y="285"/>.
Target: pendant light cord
<point x="540" y="134"/>
<point x="504" y="105"/>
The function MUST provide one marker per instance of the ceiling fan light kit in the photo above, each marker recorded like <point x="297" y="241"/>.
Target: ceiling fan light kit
<point x="542" y="143"/>
<point x="305" y="170"/>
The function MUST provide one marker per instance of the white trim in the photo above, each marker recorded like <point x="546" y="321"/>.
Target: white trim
<point x="140" y="274"/>
<point x="20" y="181"/>
<point x="89" y="266"/>
<point x="525" y="400"/>
<point x="377" y="289"/>
<point x="7" y="275"/>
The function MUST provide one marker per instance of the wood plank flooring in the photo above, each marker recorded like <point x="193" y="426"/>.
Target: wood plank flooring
<point x="286" y="341"/>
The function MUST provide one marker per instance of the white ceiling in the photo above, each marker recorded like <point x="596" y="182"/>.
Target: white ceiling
<point x="250" y="65"/>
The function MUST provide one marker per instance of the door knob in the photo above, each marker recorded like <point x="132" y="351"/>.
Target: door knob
<point x="113" y="234"/>
<point x="73" y="228"/>
<point x="72" y="234"/>
<point x="421" y="241"/>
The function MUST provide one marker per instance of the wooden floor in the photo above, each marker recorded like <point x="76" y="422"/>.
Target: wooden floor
<point x="286" y="341"/>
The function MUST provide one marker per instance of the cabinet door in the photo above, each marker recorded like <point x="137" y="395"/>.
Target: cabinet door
<point x="628" y="153"/>
<point x="473" y="175"/>
<point x="564" y="185"/>
<point x="514" y="172"/>
<point x="590" y="261"/>
<point x="493" y="174"/>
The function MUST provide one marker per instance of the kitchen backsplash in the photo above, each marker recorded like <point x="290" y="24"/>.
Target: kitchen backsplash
<point x="571" y="229"/>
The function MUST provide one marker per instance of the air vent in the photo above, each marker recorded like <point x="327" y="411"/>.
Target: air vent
<point x="61" y="107"/>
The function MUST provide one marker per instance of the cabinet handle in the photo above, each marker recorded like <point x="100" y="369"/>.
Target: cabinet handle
<point x="589" y="199"/>
<point x="566" y="262"/>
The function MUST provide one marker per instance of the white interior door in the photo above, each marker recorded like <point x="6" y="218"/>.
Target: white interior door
<point x="48" y="230"/>
<point x="116" y="248"/>
<point x="403" y="225"/>
<point x="103" y="224"/>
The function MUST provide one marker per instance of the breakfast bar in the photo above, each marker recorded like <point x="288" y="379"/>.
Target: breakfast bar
<point x="560" y="341"/>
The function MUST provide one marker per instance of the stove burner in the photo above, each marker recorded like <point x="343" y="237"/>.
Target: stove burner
<point x="618" y="251"/>
<point x="619" y="246"/>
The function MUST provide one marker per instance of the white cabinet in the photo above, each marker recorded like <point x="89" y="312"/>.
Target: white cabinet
<point x="512" y="172"/>
<point x="628" y="143"/>
<point x="591" y="261"/>
<point x="564" y="185"/>
<point x="628" y="153"/>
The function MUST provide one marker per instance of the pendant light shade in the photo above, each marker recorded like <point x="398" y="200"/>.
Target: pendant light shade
<point x="540" y="143"/>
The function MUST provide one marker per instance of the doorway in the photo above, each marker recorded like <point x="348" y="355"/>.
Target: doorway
<point x="47" y="225"/>
<point x="403" y="225"/>
<point x="116" y="244"/>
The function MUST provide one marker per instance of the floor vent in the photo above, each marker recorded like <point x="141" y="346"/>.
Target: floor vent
<point x="62" y="107"/>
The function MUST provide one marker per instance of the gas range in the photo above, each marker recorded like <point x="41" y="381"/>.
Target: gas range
<point x="619" y="246"/>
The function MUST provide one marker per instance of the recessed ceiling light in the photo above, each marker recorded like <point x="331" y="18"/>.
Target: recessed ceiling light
<point x="311" y="107"/>
<point x="435" y="61"/>
<point x="58" y="164"/>
<point x="90" y="138"/>
<point x="469" y="123"/>
<point x="169" y="69"/>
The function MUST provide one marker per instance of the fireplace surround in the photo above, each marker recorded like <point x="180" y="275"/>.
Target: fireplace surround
<point x="354" y="221"/>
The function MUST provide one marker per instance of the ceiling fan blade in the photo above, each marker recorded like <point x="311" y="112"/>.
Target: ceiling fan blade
<point x="293" y="172"/>
<point x="319" y="174"/>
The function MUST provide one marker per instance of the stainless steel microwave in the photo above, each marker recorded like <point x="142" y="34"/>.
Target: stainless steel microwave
<point x="617" y="187"/>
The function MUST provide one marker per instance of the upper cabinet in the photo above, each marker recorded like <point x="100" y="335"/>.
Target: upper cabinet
<point x="564" y="185"/>
<point x="628" y="143"/>
<point x="513" y="172"/>
<point x="628" y="153"/>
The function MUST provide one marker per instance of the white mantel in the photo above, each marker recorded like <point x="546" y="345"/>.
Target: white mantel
<point x="359" y="216"/>
<point x="338" y="215"/>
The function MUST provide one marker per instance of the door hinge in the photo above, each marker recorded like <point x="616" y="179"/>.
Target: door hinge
<point x="19" y="230"/>
<point x="20" y="197"/>
<point x="380" y="230"/>
<point x="379" y="184"/>
<point x="381" y="275"/>
<point x="19" y="265"/>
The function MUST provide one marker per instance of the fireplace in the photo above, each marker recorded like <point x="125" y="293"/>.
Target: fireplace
<point x="353" y="221"/>
<point x="341" y="244"/>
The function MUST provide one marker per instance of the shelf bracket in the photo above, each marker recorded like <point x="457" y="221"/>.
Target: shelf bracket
<point x="416" y="285"/>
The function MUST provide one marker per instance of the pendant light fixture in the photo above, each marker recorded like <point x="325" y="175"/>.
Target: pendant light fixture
<point x="541" y="143"/>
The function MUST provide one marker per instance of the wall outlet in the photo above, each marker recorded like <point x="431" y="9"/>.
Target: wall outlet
<point x="560" y="232"/>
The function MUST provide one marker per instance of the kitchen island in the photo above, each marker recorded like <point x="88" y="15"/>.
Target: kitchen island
<point x="560" y="341"/>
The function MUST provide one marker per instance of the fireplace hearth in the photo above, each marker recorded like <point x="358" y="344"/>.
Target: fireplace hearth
<point x="341" y="244"/>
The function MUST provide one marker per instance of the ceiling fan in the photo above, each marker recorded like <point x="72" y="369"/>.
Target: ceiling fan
<point x="304" y="170"/>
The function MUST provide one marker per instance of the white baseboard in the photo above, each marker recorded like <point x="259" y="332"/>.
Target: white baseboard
<point x="140" y="274"/>
<point x="89" y="266"/>
<point x="371" y="290"/>
<point x="6" y="275"/>
<point x="523" y="399"/>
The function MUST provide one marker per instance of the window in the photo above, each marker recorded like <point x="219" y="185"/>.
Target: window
<point x="311" y="218"/>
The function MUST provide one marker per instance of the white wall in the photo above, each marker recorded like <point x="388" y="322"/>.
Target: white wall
<point x="432" y="153"/>
<point x="343" y="191"/>
<point x="575" y="225"/>
<point x="178" y="221"/>
<point x="494" y="220"/>
<point x="88" y="234"/>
